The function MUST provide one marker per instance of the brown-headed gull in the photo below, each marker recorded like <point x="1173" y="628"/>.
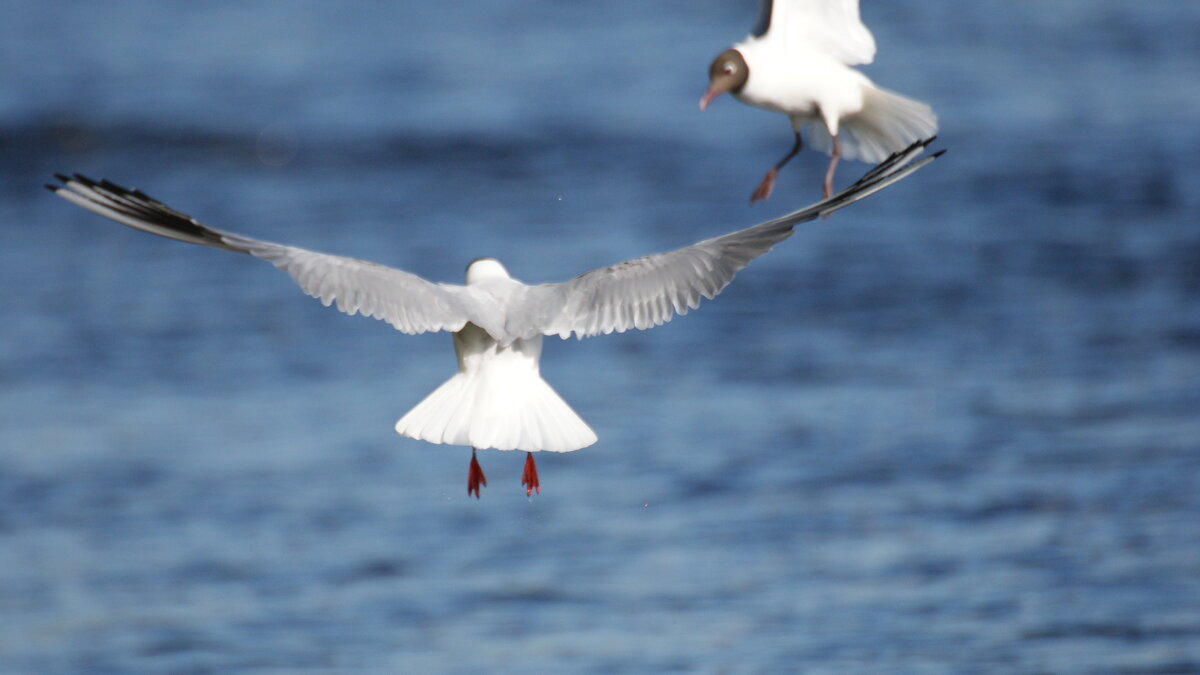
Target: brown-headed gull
<point x="796" y="61"/>
<point x="498" y="399"/>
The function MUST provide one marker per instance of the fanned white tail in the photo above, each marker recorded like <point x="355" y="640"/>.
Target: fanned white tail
<point x="498" y="400"/>
<point x="887" y="123"/>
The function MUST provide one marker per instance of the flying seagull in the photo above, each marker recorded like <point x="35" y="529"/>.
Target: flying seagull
<point x="498" y="399"/>
<point x="796" y="61"/>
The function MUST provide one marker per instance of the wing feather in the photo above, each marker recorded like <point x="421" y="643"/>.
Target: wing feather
<point x="651" y="290"/>
<point x="830" y="26"/>
<point x="404" y="300"/>
<point x="636" y="294"/>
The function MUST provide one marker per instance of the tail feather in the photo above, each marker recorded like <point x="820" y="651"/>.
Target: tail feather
<point x="484" y="412"/>
<point x="887" y="123"/>
<point x="436" y="418"/>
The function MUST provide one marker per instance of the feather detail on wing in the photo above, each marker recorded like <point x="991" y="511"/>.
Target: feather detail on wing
<point x="830" y="26"/>
<point x="407" y="302"/>
<point x="649" y="291"/>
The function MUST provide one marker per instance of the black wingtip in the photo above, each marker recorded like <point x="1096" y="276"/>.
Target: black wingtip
<point x="52" y="188"/>
<point x="61" y="177"/>
<point x="939" y="153"/>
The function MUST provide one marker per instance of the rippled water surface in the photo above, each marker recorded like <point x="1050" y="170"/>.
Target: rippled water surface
<point x="955" y="428"/>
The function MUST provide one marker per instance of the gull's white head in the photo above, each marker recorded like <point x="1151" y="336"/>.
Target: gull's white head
<point x="482" y="269"/>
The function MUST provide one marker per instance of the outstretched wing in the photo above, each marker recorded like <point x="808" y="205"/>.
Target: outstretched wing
<point x="830" y="26"/>
<point x="406" y="301"/>
<point x="649" y="291"/>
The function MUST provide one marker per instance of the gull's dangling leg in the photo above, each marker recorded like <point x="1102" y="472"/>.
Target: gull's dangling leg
<point x="475" y="476"/>
<point x="768" y="181"/>
<point x="530" y="478"/>
<point x="833" y="162"/>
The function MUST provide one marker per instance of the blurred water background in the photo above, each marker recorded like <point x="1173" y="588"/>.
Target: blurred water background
<point x="951" y="429"/>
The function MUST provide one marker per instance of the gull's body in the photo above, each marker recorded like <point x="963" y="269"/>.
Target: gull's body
<point x="498" y="399"/>
<point x="797" y="61"/>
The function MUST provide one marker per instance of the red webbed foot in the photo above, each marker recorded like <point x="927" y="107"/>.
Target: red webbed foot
<point x="475" y="476"/>
<point x="530" y="478"/>
<point x="765" y="187"/>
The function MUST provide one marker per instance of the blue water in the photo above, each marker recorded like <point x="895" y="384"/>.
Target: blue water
<point x="955" y="428"/>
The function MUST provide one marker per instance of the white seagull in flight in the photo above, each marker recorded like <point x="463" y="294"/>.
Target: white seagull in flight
<point x="796" y="61"/>
<point x="497" y="399"/>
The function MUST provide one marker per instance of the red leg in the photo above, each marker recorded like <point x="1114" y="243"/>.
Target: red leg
<point x="530" y="478"/>
<point x="833" y="162"/>
<point x="475" y="476"/>
<point x="768" y="181"/>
